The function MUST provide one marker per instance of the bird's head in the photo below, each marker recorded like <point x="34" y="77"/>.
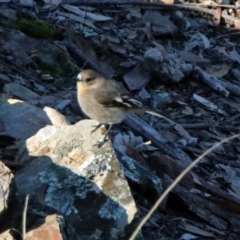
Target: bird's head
<point x="88" y="78"/>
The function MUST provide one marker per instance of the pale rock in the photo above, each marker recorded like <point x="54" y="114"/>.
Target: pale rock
<point x="67" y="173"/>
<point x="50" y="229"/>
<point x="5" y="180"/>
<point x="56" y="118"/>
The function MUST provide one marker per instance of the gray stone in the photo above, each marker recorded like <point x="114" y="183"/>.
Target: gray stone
<point x="27" y="3"/>
<point x="160" y="24"/>
<point x="9" y="13"/>
<point x="49" y="56"/>
<point x="20" y="91"/>
<point x="22" y="120"/>
<point x="168" y="67"/>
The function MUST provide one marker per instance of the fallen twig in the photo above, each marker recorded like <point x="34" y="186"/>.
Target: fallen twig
<point x="211" y="81"/>
<point x="232" y="21"/>
<point x="191" y="125"/>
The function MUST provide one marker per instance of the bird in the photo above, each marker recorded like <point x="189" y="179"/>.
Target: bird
<point x="106" y="100"/>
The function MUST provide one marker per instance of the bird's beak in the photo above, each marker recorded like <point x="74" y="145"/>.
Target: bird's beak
<point x="78" y="78"/>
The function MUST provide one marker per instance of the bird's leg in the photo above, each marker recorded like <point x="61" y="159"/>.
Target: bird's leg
<point x="106" y="134"/>
<point x="101" y="142"/>
<point x="96" y="127"/>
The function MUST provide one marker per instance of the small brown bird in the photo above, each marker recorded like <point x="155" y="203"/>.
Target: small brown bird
<point x="105" y="100"/>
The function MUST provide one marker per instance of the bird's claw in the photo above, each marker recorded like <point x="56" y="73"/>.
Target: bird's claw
<point x="100" y="143"/>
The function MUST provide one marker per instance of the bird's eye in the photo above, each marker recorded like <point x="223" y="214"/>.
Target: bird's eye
<point x="88" y="79"/>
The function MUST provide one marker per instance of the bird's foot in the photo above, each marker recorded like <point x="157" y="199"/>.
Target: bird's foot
<point x="101" y="142"/>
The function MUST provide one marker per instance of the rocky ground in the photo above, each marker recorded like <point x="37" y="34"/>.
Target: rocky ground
<point x="181" y="60"/>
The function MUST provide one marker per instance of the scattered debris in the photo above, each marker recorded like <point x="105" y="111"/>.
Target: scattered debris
<point x="168" y="56"/>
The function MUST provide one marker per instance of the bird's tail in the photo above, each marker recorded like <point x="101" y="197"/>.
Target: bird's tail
<point x="158" y="115"/>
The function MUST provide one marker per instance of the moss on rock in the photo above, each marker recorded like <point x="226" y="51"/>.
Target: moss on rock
<point x="35" y="28"/>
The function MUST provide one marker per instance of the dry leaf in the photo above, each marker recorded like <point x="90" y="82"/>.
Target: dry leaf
<point x="234" y="56"/>
<point x="222" y="50"/>
<point x="62" y="104"/>
<point x="53" y="2"/>
<point x="77" y="19"/>
<point x="136" y="79"/>
<point x="85" y="14"/>
<point x="219" y="70"/>
<point x="122" y="140"/>
<point x="211" y="106"/>
<point x="187" y="236"/>
<point x="187" y="111"/>
<point x="206" y="42"/>
<point x="196" y="230"/>
<point x="191" y="57"/>
<point x="135" y="11"/>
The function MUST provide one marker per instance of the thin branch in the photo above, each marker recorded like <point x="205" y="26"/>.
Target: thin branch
<point x="24" y="217"/>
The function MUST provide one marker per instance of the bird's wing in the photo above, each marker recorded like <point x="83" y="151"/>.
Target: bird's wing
<point x="112" y="85"/>
<point x="115" y="99"/>
<point x="105" y="98"/>
<point x="108" y="99"/>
